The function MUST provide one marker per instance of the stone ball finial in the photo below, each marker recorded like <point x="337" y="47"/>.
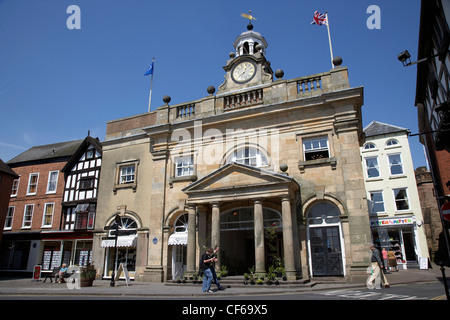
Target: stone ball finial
<point x="279" y="73"/>
<point x="166" y="99"/>
<point x="211" y="89"/>
<point x="283" y="167"/>
<point x="232" y="55"/>
<point x="337" y="61"/>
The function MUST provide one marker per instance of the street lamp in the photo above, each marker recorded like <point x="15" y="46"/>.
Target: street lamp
<point x="405" y="57"/>
<point x="116" y="227"/>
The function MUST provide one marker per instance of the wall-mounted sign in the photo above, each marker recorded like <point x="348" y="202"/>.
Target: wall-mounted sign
<point x="391" y="222"/>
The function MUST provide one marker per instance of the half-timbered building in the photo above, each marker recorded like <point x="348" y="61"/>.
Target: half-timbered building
<point x="79" y="205"/>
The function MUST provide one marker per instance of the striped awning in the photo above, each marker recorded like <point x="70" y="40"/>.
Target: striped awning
<point x="122" y="241"/>
<point x="178" y="238"/>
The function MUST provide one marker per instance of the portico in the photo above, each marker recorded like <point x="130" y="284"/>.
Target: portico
<point x="234" y="183"/>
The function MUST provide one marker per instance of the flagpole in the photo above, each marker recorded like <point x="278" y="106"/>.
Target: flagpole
<point x="329" y="39"/>
<point x="151" y="86"/>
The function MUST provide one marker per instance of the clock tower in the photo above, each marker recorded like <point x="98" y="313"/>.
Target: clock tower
<point x="247" y="66"/>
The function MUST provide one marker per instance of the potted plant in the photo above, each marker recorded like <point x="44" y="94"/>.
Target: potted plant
<point x="224" y="271"/>
<point x="87" y="275"/>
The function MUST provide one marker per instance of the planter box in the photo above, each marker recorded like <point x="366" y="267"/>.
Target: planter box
<point x="86" y="282"/>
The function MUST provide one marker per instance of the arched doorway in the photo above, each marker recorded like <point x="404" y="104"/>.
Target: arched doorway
<point x="325" y="240"/>
<point x="178" y="242"/>
<point x="237" y="238"/>
<point x="126" y="247"/>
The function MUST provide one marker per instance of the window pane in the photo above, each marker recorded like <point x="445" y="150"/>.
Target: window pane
<point x="372" y="167"/>
<point x="316" y="148"/>
<point x="401" y="199"/>
<point x="377" y="202"/>
<point x="395" y="164"/>
<point x="127" y="174"/>
<point x="52" y="181"/>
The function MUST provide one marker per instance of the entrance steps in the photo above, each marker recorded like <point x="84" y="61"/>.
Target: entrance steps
<point x="239" y="281"/>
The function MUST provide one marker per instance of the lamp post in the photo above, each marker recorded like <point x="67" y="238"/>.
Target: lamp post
<point x="116" y="227"/>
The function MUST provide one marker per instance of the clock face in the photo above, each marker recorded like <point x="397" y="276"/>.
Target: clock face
<point x="243" y="72"/>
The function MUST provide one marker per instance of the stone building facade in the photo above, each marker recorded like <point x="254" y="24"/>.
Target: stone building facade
<point x="260" y="156"/>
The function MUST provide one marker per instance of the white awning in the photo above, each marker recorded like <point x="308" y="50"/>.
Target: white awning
<point x="122" y="241"/>
<point x="178" y="238"/>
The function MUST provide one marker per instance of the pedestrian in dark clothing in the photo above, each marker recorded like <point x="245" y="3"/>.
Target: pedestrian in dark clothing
<point x="213" y="268"/>
<point x="205" y="265"/>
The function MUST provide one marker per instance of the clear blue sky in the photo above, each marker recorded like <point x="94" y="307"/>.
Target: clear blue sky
<point x="56" y="83"/>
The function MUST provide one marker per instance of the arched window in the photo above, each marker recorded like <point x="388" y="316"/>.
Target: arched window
<point x="392" y="142"/>
<point x="181" y="224"/>
<point x="242" y="219"/>
<point x="323" y="213"/>
<point x="248" y="155"/>
<point x="369" y="146"/>
<point x="127" y="225"/>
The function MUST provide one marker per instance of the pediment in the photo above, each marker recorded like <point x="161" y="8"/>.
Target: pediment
<point x="237" y="176"/>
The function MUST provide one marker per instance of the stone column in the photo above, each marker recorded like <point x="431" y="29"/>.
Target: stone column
<point x="192" y="240"/>
<point x="288" y="238"/>
<point x="215" y="229"/>
<point x="260" y="258"/>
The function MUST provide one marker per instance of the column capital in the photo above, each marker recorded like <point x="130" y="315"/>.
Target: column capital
<point x="191" y="206"/>
<point x="257" y="200"/>
<point x="215" y="204"/>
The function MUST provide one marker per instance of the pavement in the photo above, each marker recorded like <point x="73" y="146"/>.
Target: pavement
<point x="27" y="287"/>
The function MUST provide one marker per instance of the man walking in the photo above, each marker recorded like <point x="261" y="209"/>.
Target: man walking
<point x="376" y="269"/>
<point x="213" y="267"/>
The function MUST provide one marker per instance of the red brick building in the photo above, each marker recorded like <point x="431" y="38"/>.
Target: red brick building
<point x="7" y="177"/>
<point x="34" y="211"/>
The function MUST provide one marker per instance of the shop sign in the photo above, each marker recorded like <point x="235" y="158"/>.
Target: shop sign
<point x="390" y="222"/>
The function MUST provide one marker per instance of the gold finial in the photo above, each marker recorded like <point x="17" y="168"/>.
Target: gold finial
<point x="248" y="16"/>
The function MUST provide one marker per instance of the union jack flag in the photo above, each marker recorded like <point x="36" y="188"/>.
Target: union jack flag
<point x="319" y="18"/>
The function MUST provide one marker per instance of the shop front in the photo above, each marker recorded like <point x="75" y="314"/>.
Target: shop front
<point x="399" y="237"/>
<point x="126" y="248"/>
<point x="71" y="251"/>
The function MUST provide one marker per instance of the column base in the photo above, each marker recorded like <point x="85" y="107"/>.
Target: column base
<point x="153" y="274"/>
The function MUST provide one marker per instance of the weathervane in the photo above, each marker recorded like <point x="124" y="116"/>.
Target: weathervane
<point x="250" y="18"/>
